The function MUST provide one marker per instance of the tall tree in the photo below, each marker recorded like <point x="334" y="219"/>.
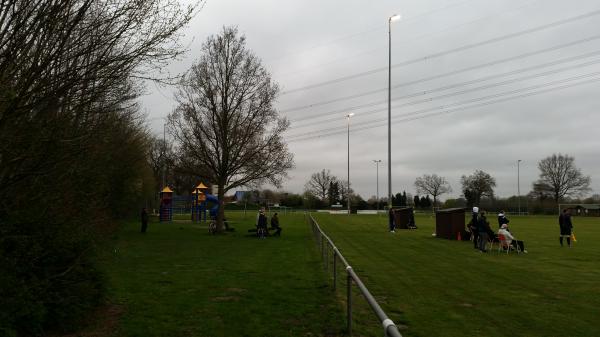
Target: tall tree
<point x="478" y="185"/>
<point x="559" y="173"/>
<point x="319" y="183"/>
<point x="432" y="184"/>
<point x="225" y="120"/>
<point x="73" y="146"/>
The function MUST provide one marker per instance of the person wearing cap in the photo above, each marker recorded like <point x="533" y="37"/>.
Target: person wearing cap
<point x="502" y="219"/>
<point x="510" y="239"/>
<point x="473" y="227"/>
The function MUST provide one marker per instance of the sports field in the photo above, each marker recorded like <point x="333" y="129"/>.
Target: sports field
<point x="436" y="287"/>
<point x="177" y="280"/>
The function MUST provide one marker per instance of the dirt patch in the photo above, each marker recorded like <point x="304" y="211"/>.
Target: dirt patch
<point x="103" y="322"/>
<point x="225" y="299"/>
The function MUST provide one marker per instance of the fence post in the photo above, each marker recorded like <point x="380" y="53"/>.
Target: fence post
<point x="349" y="299"/>
<point x="321" y="236"/>
<point x="334" y="269"/>
<point x="326" y="257"/>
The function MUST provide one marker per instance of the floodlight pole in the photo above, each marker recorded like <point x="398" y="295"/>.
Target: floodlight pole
<point x="377" y="161"/>
<point x="348" y="189"/>
<point x="390" y="19"/>
<point x="164" y="156"/>
<point x="519" y="186"/>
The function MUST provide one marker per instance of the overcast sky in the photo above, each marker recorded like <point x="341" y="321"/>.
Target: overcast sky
<point x="476" y="84"/>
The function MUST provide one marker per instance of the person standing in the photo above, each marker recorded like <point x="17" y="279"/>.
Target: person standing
<point x="566" y="227"/>
<point x="392" y="221"/>
<point x="473" y="227"/>
<point x="261" y="224"/>
<point x="144" y="218"/>
<point x="502" y="219"/>
<point x="483" y="227"/>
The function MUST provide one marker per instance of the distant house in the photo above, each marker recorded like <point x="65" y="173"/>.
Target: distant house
<point x="240" y="195"/>
<point x="586" y="210"/>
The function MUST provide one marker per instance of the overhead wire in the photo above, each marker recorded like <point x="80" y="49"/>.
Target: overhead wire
<point x="408" y="119"/>
<point x="445" y="106"/>
<point x="455" y="85"/>
<point x="447" y="74"/>
<point x="447" y="52"/>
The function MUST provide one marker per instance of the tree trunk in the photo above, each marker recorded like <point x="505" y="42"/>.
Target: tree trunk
<point x="221" y="212"/>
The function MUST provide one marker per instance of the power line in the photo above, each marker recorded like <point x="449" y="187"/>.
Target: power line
<point x="483" y="87"/>
<point x="369" y="30"/>
<point x="451" y="110"/>
<point x="451" y="73"/>
<point x="442" y="31"/>
<point x="447" y="52"/>
<point x="367" y="125"/>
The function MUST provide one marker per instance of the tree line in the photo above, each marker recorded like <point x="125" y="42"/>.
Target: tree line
<point x="560" y="180"/>
<point x="73" y="146"/>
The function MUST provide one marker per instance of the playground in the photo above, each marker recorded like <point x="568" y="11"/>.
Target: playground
<point x="179" y="280"/>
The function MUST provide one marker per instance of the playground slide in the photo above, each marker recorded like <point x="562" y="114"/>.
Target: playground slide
<point x="215" y="209"/>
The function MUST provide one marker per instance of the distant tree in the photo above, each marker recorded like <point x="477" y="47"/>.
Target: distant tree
<point x="319" y="184"/>
<point x="432" y="184"/>
<point x="559" y="173"/>
<point x="226" y="120"/>
<point x="417" y="201"/>
<point x="333" y="193"/>
<point x="477" y="185"/>
<point x="343" y="186"/>
<point x="404" y="199"/>
<point x="425" y="202"/>
<point x="541" y="191"/>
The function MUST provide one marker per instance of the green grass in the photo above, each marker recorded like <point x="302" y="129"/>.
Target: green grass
<point x="177" y="280"/>
<point x="437" y="287"/>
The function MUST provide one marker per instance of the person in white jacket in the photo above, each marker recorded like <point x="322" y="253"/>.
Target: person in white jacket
<point x="510" y="239"/>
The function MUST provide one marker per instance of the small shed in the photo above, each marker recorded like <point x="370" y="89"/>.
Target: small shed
<point x="404" y="218"/>
<point x="449" y="223"/>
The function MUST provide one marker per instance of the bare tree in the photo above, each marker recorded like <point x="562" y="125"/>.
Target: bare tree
<point x="563" y="178"/>
<point x="319" y="183"/>
<point x="432" y="184"/>
<point x="477" y="185"/>
<point x="225" y="122"/>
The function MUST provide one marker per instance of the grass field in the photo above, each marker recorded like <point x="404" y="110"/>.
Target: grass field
<point x="437" y="287"/>
<point x="177" y="280"/>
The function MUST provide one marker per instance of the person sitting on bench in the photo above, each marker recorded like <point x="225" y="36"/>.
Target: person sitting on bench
<point x="275" y="225"/>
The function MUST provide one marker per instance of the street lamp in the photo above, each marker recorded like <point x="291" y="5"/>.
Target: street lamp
<point x="377" y="163"/>
<point x="348" y="190"/>
<point x="390" y="19"/>
<point x="519" y="186"/>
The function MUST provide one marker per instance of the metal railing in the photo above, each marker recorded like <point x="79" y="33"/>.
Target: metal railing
<point x="389" y="328"/>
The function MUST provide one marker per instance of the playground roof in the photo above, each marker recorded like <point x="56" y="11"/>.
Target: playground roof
<point x="201" y="186"/>
<point x="166" y="190"/>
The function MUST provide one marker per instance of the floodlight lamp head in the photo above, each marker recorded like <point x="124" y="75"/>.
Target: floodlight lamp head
<point x="350" y="114"/>
<point x="395" y="17"/>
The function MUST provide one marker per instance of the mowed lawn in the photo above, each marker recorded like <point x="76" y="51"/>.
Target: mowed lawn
<point x="177" y="280"/>
<point x="437" y="287"/>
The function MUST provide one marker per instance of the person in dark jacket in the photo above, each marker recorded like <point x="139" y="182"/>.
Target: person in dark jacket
<point x="275" y="225"/>
<point x="261" y="224"/>
<point x="566" y="227"/>
<point x="502" y="219"/>
<point x="483" y="227"/>
<point x="473" y="227"/>
<point x="144" y="218"/>
<point x="392" y="221"/>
